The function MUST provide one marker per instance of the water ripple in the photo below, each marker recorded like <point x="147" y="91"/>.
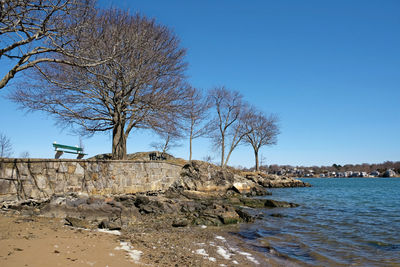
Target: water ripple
<point x="339" y="222"/>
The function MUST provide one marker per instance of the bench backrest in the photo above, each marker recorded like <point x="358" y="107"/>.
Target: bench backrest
<point x="77" y="149"/>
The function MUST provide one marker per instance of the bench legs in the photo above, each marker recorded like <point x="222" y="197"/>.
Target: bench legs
<point x="58" y="154"/>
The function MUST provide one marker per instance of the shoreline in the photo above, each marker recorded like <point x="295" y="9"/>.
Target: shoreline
<point x="39" y="241"/>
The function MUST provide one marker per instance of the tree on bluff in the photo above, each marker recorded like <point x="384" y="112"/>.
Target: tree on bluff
<point x="261" y="130"/>
<point x="140" y="87"/>
<point x="231" y="115"/>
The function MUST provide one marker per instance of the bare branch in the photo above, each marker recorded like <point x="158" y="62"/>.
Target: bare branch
<point x="139" y="84"/>
<point x="39" y="31"/>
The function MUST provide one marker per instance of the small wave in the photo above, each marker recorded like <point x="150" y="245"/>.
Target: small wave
<point x="384" y="246"/>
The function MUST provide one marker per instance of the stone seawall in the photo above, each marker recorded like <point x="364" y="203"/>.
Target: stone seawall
<point x="37" y="178"/>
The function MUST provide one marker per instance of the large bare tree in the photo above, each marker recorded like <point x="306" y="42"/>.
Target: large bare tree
<point x="231" y="114"/>
<point x="139" y="87"/>
<point x="262" y="130"/>
<point x="196" y="115"/>
<point x="35" y="32"/>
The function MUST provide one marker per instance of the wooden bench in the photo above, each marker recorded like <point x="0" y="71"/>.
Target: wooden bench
<point x="61" y="149"/>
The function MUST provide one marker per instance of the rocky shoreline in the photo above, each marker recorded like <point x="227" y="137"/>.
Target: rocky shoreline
<point x="196" y="206"/>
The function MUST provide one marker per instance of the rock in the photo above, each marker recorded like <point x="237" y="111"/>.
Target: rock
<point x="180" y="223"/>
<point x="245" y="216"/>
<point x="252" y="202"/>
<point x="127" y="201"/>
<point x="258" y="190"/>
<point x="279" y="204"/>
<point x="207" y="219"/>
<point x="229" y="217"/>
<point x="141" y="200"/>
<point x="203" y="176"/>
<point x="76" y="222"/>
<point x="274" y="181"/>
<point x="277" y="215"/>
<point x="105" y="224"/>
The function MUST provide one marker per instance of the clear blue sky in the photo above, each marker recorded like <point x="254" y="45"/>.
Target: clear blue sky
<point x="329" y="69"/>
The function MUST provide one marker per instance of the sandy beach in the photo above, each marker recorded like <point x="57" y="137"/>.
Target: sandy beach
<point x="38" y="241"/>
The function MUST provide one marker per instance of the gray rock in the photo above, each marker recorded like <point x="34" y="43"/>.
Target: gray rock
<point x="76" y="222"/>
<point x="180" y="223"/>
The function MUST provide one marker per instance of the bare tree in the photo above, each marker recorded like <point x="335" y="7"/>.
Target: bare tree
<point x="24" y="155"/>
<point x="5" y="146"/>
<point x="170" y="134"/>
<point x="139" y="87"/>
<point x="261" y="131"/>
<point x="196" y="115"/>
<point x="231" y="113"/>
<point x="35" y="32"/>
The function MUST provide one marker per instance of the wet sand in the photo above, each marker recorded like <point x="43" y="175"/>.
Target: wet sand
<point x="38" y="241"/>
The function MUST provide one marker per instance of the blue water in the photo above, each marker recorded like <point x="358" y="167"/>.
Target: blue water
<point x="340" y="222"/>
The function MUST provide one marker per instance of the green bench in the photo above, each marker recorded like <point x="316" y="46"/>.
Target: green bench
<point x="61" y="149"/>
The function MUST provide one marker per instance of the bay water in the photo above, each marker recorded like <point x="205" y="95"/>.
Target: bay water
<point x="340" y="222"/>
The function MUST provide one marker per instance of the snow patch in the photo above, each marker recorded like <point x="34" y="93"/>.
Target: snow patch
<point x="224" y="253"/>
<point x="201" y="252"/>
<point x="113" y="232"/>
<point x="212" y="259"/>
<point x="134" y="254"/>
<point x="249" y="257"/>
<point x="220" y="238"/>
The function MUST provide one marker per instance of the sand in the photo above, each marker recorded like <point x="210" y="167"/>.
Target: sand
<point x="38" y="241"/>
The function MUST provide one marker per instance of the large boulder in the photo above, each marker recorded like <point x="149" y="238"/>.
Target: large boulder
<point x="205" y="177"/>
<point x="274" y="181"/>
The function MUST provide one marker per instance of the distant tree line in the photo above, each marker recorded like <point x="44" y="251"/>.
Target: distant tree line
<point x="364" y="167"/>
<point x="109" y="71"/>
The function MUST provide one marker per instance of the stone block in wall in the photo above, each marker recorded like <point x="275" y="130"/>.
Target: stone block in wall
<point x="62" y="168"/>
<point x="60" y="186"/>
<point x="41" y="181"/>
<point x="72" y="168"/>
<point x="79" y="170"/>
<point x="8" y="173"/>
<point x="94" y="176"/>
<point x="7" y="187"/>
<point x="51" y="173"/>
<point x="94" y="167"/>
<point x="22" y="169"/>
<point x="37" y="167"/>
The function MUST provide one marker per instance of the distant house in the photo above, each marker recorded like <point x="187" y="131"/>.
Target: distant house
<point x="375" y="174"/>
<point x="390" y="173"/>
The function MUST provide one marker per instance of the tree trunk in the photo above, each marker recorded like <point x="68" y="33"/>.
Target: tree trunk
<point x="256" y="159"/>
<point x="190" y="147"/>
<point x="119" y="142"/>
<point x="222" y="150"/>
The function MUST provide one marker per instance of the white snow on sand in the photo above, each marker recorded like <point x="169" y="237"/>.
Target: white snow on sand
<point x="224" y="253"/>
<point x="113" y="232"/>
<point x="134" y="254"/>
<point x="201" y="251"/>
<point x="220" y="238"/>
<point x="249" y="257"/>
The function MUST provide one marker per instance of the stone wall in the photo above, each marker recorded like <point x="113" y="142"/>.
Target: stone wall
<point x="37" y="178"/>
